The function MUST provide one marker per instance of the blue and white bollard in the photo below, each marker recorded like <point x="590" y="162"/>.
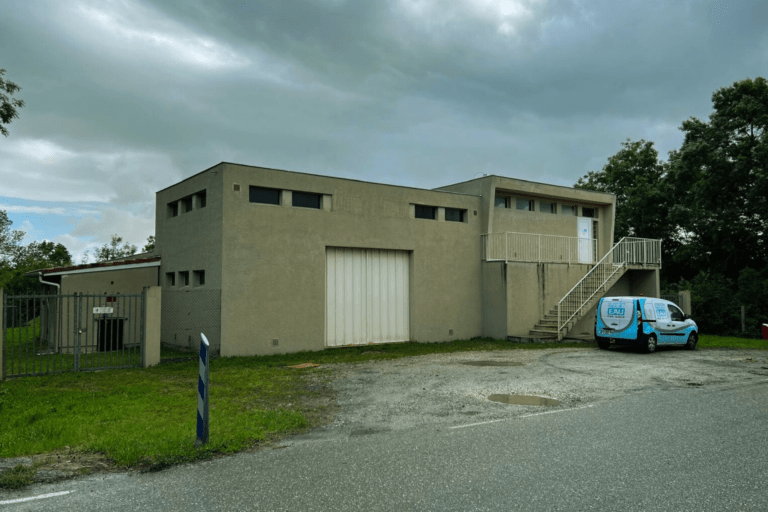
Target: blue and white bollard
<point x="202" y="393"/>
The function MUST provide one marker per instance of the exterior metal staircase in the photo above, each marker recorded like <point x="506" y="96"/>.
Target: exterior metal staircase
<point x="627" y="253"/>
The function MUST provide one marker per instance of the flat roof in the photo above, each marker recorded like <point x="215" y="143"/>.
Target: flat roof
<point x="99" y="267"/>
<point x="534" y="182"/>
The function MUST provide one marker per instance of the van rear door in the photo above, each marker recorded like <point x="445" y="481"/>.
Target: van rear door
<point x="618" y="318"/>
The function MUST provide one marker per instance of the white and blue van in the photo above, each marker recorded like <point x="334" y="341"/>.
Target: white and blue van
<point x="643" y="321"/>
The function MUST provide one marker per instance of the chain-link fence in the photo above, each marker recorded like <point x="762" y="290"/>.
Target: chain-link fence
<point x="681" y="299"/>
<point x="186" y="314"/>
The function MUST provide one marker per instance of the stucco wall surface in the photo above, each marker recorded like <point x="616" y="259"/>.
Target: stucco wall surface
<point x="274" y="258"/>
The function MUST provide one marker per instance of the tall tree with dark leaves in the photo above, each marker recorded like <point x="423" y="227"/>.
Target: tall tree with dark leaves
<point x="8" y="106"/>
<point x="719" y="180"/>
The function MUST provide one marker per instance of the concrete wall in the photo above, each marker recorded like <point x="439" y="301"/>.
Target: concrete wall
<point x="494" y="299"/>
<point x="191" y="240"/>
<point x="274" y="257"/>
<point x="534" y="289"/>
<point x="110" y="282"/>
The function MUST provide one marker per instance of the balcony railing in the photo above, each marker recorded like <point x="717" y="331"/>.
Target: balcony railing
<point x="538" y="248"/>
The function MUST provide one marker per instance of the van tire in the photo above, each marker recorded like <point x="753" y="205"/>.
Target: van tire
<point x="650" y="346"/>
<point x="693" y="339"/>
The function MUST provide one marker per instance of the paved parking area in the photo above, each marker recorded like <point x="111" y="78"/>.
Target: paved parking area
<point x="442" y="390"/>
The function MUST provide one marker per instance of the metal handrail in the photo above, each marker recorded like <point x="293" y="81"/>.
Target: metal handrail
<point x="628" y="251"/>
<point x="538" y="248"/>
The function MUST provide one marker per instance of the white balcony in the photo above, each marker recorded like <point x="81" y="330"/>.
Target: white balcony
<point x="536" y="248"/>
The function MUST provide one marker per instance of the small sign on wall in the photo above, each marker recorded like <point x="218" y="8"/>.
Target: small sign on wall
<point x="97" y="311"/>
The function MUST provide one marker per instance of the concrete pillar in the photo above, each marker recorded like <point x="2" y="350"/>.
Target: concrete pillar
<point x="286" y="198"/>
<point x="325" y="203"/>
<point x="2" y="337"/>
<point x="152" y="306"/>
<point x="685" y="301"/>
<point x="440" y="213"/>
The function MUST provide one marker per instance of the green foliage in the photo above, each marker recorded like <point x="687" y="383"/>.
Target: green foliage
<point x="114" y="250"/>
<point x="8" y="106"/>
<point x="719" y="180"/>
<point x="17" y="477"/>
<point x="150" y="245"/>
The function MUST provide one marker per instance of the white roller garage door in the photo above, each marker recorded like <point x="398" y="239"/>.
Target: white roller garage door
<point x="366" y="296"/>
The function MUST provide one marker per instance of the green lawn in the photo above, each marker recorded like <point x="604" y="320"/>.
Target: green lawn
<point x="711" y="341"/>
<point x="146" y="417"/>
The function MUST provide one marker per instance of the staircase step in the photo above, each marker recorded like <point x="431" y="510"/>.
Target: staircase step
<point x="541" y="333"/>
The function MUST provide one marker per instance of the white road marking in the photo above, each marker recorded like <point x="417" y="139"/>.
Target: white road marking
<point x="42" y="496"/>
<point x="524" y="416"/>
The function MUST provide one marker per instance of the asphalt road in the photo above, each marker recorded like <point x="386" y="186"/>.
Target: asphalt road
<point x="676" y="443"/>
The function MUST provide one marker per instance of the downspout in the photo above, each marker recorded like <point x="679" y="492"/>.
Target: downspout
<point x="58" y="286"/>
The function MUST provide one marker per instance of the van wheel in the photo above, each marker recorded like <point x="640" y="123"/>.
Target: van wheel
<point x="693" y="339"/>
<point x="651" y="346"/>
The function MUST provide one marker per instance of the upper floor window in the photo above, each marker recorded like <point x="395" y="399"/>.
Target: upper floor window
<point x="306" y="200"/>
<point x="455" y="215"/>
<point x="263" y="195"/>
<point x="426" y="212"/>
<point x="588" y="212"/>
<point x="567" y="209"/>
<point x="502" y="202"/>
<point x="187" y="203"/>
<point x="525" y="204"/>
<point x="173" y="209"/>
<point x="547" y="207"/>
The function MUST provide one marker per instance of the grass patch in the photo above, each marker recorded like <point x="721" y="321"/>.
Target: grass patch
<point x="18" y="477"/>
<point x="711" y="341"/>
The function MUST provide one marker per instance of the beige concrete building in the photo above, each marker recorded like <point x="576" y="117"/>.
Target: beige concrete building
<point x="266" y="261"/>
<point x="295" y="261"/>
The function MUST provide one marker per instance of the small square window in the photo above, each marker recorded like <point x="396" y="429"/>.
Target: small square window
<point x="263" y="195"/>
<point x="184" y="278"/>
<point x="201" y="199"/>
<point x="502" y="202"/>
<point x="173" y="209"/>
<point x="198" y="277"/>
<point x="306" y="200"/>
<point x="187" y="204"/>
<point x="170" y="279"/>
<point x="455" y="215"/>
<point x="567" y="209"/>
<point x="588" y="212"/>
<point x="426" y="212"/>
<point x="525" y="204"/>
<point x="547" y="207"/>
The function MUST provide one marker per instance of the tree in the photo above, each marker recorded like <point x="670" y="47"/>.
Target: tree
<point x="719" y="180"/>
<point x="8" y="105"/>
<point x="635" y="176"/>
<point x="9" y="239"/>
<point x="150" y="245"/>
<point x="113" y="250"/>
<point x="36" y="255"/>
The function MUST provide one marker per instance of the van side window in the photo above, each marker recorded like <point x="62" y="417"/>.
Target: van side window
<point x="675" y="314"/>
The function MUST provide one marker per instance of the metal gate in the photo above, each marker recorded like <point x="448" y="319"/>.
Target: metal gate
<point x="78" y="332"/>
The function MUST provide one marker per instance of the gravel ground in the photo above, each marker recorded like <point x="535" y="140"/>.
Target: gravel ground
<point x="435" y="390"/>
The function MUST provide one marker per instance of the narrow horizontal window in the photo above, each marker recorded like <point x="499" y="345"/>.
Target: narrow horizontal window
<point x="525" y="204"/>
<point x="426" y="212"/>
<point x="588" y="212"/>
<point x="264" y="195"/>
<point x="501" y="202"/>
<point x="567" y="209"/>
<point x="455" y="215"/>
<point x="306" y="200"/>
<point x="547" y="207"/>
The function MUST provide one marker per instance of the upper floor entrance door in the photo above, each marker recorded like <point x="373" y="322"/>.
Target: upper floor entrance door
<point x="586" y="249"/>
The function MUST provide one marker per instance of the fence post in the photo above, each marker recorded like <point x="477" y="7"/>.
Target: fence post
<point x="685" y="299"/>
<point x="2" y="335"/>
<point x="202" y="392"/>
<point x="743" y="323"/>
<point x="150" y="351"/>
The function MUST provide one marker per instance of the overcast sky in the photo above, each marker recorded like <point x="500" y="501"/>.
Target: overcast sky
<point x="124" y="98"/>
